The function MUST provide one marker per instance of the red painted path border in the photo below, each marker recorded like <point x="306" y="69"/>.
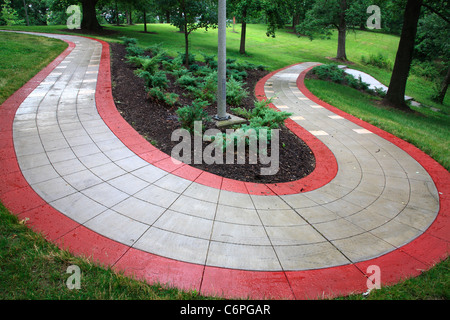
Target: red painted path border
<point x="16" y="194"/>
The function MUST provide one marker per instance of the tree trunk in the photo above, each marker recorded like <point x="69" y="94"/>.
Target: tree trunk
<point x="295" y="20"/>
<point x="243" y="31"/>
<point x="26" y="12"/>
<point x="342" y="32"/>
<point x="186" y="41"/>
<point x="145" y="20"/>
<point x="117" y="15"/>
<point x="444" y="86"/>
<point x="395" y="96"/>
<point x="168" y="16"/>
<point x="89" y="21"/>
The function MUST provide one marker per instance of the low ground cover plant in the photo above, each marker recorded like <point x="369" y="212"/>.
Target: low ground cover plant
<point x="332" y="72"/>
<point x="199" y="82"/>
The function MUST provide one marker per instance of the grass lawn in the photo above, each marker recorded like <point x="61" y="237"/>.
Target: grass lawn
<point x="31" y="268"/>
<point x="21" y="60"/>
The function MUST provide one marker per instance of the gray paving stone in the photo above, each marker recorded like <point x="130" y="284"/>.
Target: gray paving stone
<point x="40" y="174"/>
<point x="139" y="210"/>
<point x="117" y="227"/>
<point x="78" y="207"/>
<point x="237" y="256"/>
<point x="185" y="224"/>
<point x="194" y="207"/>
<point x="239" y="234"/>
<point x="158" y="196"/>
<point x="53" y="189"/>
<point x="237" y="215"/>
<point x="310" y="256"/>
<point x="362" y="247"/>
<point x="105" y="194"/>
<point x="149" y="173"/>
<point x="173" y="245"/>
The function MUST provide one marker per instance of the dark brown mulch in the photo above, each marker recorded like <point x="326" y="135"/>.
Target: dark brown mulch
<point x="156" y="121"/>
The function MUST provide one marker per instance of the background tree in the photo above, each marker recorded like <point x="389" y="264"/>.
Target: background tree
<point x="244" y="9"/>
<point x="395" y="95"/>
<point x="89" y="20"/>
<point x="324" y="16"/>
<point x="298" y="9"/>
<point x="432" y="46"/>
<point x="276" y="11"/>
<point x="190" y="15"/>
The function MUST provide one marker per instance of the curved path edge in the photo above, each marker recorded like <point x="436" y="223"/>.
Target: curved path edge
<point x="20" y="199"/>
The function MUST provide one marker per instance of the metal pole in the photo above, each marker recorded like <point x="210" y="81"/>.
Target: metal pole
<point x="221" y="64"/>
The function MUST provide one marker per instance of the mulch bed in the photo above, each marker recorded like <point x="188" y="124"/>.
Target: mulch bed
<point x="156" y="121"/>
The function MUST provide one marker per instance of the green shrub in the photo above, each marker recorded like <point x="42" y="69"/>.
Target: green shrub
<point x="329" y="72"/>
<point x="135" y="61"/>
<point x="187" y="80"/>
<point x="235" y="92"/>
<point x="356" y="83"/>
<point x="187" y="115"/>
<point x="171" y="98"/>
<point x="128" y="41"/>
<point x="431" y="70"/>
<point x="333" y="73"/>
<point x="151" y="64"/>
<point x="172" y="65"/>
<point x="193" y="67"/>
<point x="182" y="57"/>
<point x="159" y="79"/>
<point x="209" y="58"/>
<point x="262" y="116"/>
<point x="244" y="134"/>
<point x="155" y="49"/>
<point x="181" y="71"/>
<point x="156" y="93"/>
<point x="203" y="71"/>
<point x="134" y="51"/>
<point x="238" y="75"/>
<point x="378" y="60"/>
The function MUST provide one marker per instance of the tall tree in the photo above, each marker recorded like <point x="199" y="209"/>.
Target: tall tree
<point x="433" y="42"/>
<point x="324" y="16"/>
<point x="89" y="21"/>
<point x="395" y="95"/>
<point x="342" y="31"/>
<point x="190" y="15"/>
<point x="244" y="9"/>
<point x="298" y="9"/>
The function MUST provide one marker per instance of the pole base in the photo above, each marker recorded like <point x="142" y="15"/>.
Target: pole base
<point x="219" y="118"/>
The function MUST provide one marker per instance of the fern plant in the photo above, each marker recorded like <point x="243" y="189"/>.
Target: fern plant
<point x="187" y="115"/>
<point x="235" y="92"/>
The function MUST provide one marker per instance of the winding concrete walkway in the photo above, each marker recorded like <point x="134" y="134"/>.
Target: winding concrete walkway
<point x="83" y="177"/>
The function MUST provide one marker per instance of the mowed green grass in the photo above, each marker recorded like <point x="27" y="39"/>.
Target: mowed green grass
<point x="32" y="268"/>
<point x="21" y="60"/>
